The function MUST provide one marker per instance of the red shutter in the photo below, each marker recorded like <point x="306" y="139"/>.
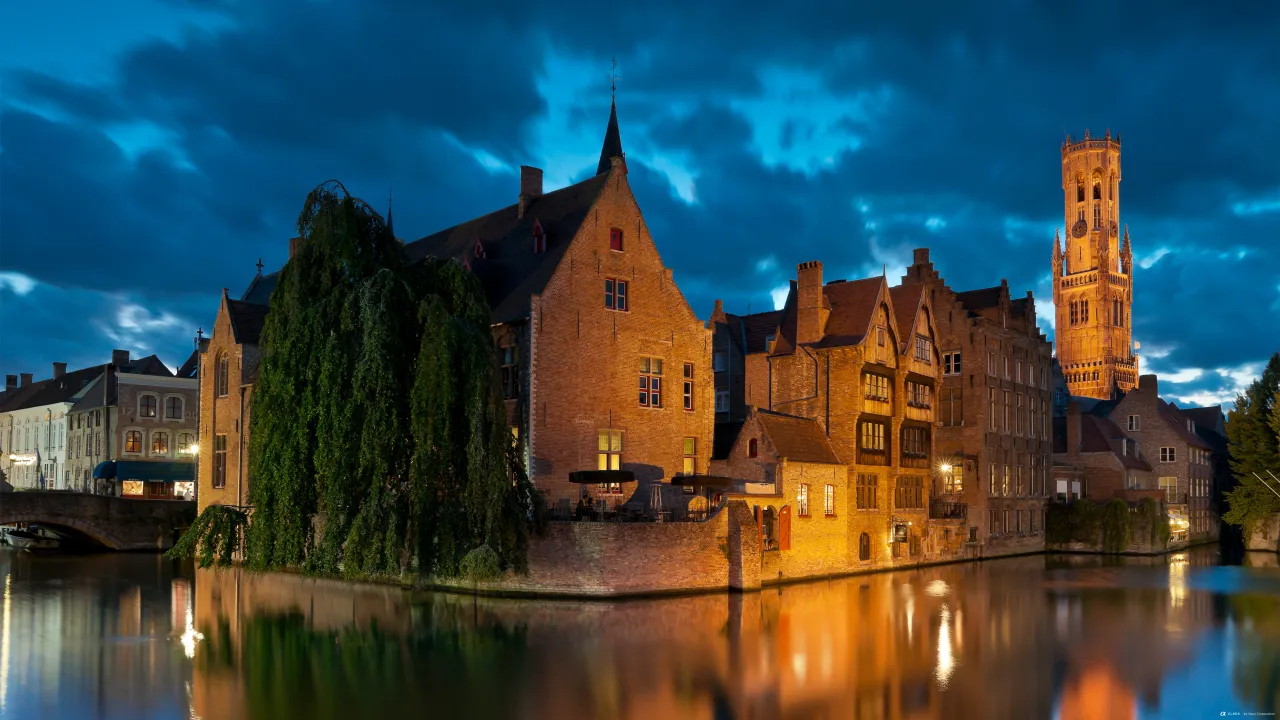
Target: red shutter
<point x="784" y="528"/>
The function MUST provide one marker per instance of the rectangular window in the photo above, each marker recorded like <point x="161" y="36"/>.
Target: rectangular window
<point x="915" y="442"/>
<point x="722" y="401"/>
<point x="1018" y="424"/>
<point x="918" y="395"/>
<point x="991" y="411"/>
<point x="609" y="457"/>
<point x="1008" y="409"/>
<point x="717" y="362"/>
<point x="909" y="493"/>
<point x="873" y="436"/>
<point x="1004" y="487"/>
<point x="952" y="406"/>
<point x="1031" y="375"/>
<point x="991" y="364"/>
<point x="829" y="500"/>
<point x="875" y="387"/>
<point x="650" y="382"/>
<point x="1168" y="455"/>
<point x="1018" y="370"/>
<point x="1031" y="418"/>
<point x="615" y="239"/>
<point x="510" y="372"/>
<point x="688" y="386"/>
<point x="1006" y="367"/>
<point x="219" y="461"/>
<point x="953" y="479"/>
<point x="615" y="294"/>
<point x="880" y="335"/>
<point x="867" y="495"/>
<point x="951" y="363"/>
<point x="690" y="456"/>
<point x="924" y="349"/>
<point x="802" y="499"/>
<point x="1135" y="423"/>
<point x="1170" y="487"/>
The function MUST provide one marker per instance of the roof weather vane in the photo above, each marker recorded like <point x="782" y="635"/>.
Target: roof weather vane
<point x="613" y="79"/>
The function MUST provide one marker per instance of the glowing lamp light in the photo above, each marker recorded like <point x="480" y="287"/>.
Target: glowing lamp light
<point x="946" y="468"/>
<point x="24" y="459"/>
<point x="192" y="449"/>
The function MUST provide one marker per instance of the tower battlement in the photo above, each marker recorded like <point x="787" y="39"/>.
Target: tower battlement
<point x="1106" y="142"/>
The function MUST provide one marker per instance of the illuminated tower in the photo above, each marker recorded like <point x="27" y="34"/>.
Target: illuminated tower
<point x="1093" y="275"/>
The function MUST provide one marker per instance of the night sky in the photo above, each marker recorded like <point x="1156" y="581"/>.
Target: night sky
<point x="152" y="150"/>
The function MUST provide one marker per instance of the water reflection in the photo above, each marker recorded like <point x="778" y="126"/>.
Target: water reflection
<point x="1034" y="637"/>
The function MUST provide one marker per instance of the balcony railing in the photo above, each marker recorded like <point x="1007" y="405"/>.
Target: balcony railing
<point x="940" y="510"/>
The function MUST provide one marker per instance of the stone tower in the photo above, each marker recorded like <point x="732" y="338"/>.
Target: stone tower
<point x="1093" y="274"/>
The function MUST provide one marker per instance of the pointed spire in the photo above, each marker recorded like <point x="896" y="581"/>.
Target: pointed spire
<point x="391" y="228"/>
<point x="612" y="147"/>
<point x="259" y="267"/>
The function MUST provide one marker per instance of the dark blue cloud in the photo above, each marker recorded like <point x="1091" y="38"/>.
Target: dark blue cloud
<point x="759" y="135"/>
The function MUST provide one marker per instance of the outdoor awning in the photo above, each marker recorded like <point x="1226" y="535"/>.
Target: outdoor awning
<point x="709" y="481"/>
<point x="147" y="471"/>
<point x="588" y="477"/>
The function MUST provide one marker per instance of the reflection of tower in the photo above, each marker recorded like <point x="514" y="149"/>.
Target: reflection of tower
<point x="1097" y="693"/>
<point x="1093" y="274"/>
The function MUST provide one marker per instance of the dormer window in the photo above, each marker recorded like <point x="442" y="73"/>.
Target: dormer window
<point x="539" y="238"/>
<point x="615" y="239"/>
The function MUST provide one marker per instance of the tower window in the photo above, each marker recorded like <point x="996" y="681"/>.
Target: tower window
<point x="1097" y="189"/>
<point x="1079" y="191"/>
<point x="1097" y="215"/>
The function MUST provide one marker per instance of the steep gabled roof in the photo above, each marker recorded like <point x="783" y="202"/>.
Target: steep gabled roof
<point x="192" y="364"/>
<point x="612" y="146"/>
<point x="796" y="438"/>
<point x="1176" y="420"/>
<point x="247" y="320"/>
<point x="1097" y="435"/>
<point x="906" y="304"/>
<point x="981" y="299"/>
<point x="73" y="383"/>
<point x="259" y="290"/>
<point x="510" y="270"/>
<point x="749" y="332"/>
<point x="851" y="306"/>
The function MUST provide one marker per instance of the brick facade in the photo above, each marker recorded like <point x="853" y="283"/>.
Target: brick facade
<point x="224" y="417"/>
<point x="993" y="410"/>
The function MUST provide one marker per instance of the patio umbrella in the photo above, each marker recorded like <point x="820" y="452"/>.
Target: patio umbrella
<point x="601" y="477"/>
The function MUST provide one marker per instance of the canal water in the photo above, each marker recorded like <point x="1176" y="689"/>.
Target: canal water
<point x="137" y="636"/>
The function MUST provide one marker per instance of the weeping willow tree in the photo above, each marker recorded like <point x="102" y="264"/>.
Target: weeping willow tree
<point x="378" y="438"/>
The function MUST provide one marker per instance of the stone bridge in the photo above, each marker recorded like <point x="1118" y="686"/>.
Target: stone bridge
<point x="116" y="522"/>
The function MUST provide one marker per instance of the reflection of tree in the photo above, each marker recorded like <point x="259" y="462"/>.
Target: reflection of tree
<point x="289" y="670"/>
<point x="1256" y="665"/>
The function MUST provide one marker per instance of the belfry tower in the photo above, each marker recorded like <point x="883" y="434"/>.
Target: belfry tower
<point x="1093" y="275"/>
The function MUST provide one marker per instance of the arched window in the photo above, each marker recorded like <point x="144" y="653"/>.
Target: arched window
<point x="147" y="406"/>
<point x="864" y="547"/>
<point x="1079" y="191"/>
<point x="220" y="375"/>
<point x="159" y="443"/>
<point x="133" y="441"/>
<point x="752" y="448"/>
<point x="173" y="408"/>
<point x="1097" y="189"/>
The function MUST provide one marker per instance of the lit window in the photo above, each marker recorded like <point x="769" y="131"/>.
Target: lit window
<point x="924" y="349"/>
<point x="953" y="480"/>
<point x="873" y="436"/>
<point x="185" y="441"/>
<point x="802" y="499"/>
<point x="159" y="443"/>
<point x="133" y="441"/>
<point x="918" y="395"/>
<point x="690" y="456"/>
<point x="909" y="493"/>
<point x="875" y="387"/>
<point x="609" y="450"/>
<point x="651" y="382"/>
<point x="829" y="500"/>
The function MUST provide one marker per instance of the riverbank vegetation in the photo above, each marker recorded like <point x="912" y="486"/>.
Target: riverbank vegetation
<point x="1109" y="526"/>
<point x="1253" y="439"/>
<point x="378" y="443"/>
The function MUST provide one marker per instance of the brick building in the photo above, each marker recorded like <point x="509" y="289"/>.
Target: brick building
<point x="133" y="432"/>
<point x="993" y="409"/>
<point x="1093" y="277"/>
<point x="1211" y="426"/>
<point x="604" y="365"/>
<point x="738" y="337"/>
<point x="228" y="370"/>
<point x="859" y="362"/>
<point x="1093" y="459"/>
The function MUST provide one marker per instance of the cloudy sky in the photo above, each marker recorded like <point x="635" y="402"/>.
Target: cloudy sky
<point x="151" y="151"/>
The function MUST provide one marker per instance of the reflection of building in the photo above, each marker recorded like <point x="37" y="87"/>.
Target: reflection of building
<point x="1096" y="694"/>
<point x="1093" y="276"/>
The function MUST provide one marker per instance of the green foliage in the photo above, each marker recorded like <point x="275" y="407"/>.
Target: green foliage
<point x="481" y="564"/>
<point x="378" y="440"/>
<point x="213" y="537"/>
<point x="1253" y="436"/>
<point x="1115" y="526"/>
<point x="1157" y="523"/>
<point x="1073" y="522"/>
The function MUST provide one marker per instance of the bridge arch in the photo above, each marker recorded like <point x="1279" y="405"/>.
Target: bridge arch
<point x="115" y="522"/>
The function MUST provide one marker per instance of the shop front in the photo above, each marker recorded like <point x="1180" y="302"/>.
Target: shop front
<point x="144" y="480"/>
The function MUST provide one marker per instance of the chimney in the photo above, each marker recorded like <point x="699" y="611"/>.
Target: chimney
<point x="921" y="256"/>
<point x="717" y="314"/>
<point x="1073" y="427"/>
<point x="26" y="379"/>
<point x="1149" y="384"/>
<point x="810" y="318"/>
<point x="10" y="382"/>
<point x="119" y="357"/>
<point x="530" y="187"/>
<point x="59" y="369"/>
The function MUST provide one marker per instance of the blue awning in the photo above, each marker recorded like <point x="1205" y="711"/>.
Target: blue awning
<point x="147" y="471"/>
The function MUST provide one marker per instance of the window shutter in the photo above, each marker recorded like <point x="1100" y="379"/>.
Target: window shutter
<point x="784" y="528"/>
